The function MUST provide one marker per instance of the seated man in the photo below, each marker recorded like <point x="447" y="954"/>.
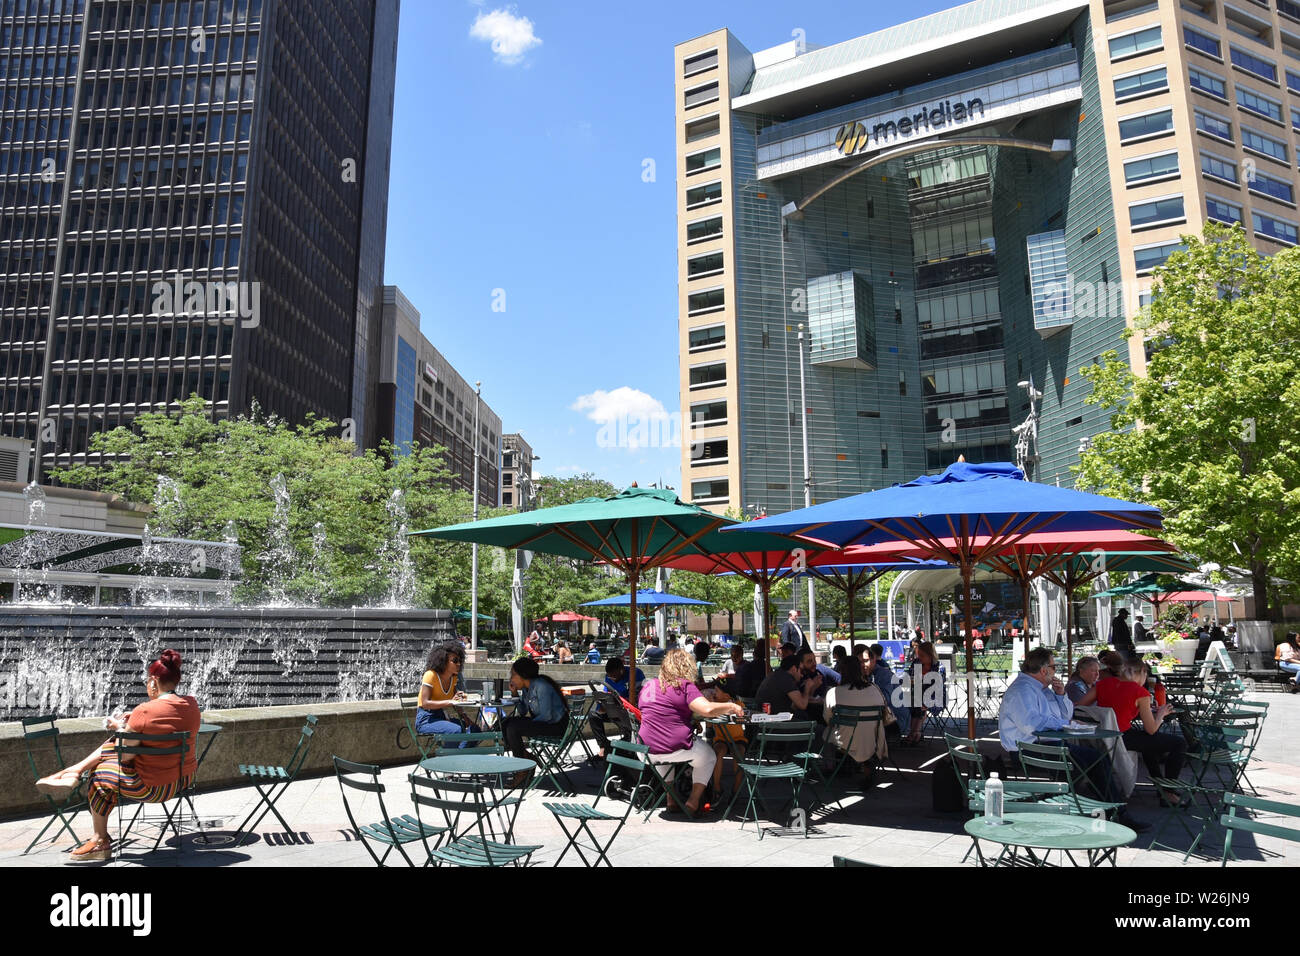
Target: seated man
<point x="653" y="653"/>
<point x="751" y="674"/>
<point x="593" y="655"/>
<point x="781" y="690"/>
<point x="1036" y="701"/>
<point x="615" y="683"/>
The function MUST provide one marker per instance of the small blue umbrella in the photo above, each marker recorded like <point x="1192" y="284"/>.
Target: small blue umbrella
<point x="644" y="597"/>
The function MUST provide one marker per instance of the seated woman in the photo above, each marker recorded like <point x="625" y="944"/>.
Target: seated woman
<point x="727" y="738"/>
<point x="140" y="777"/>
<point x="701" y="652"/>
<point x="1112" y="662"/>
<point x="929" y="661"/>
<point x="542" y="712"/>
<point x="1086" y="672"/>
<point x="1139" y="722"/>
<point x="864" y="741"/>
<point x="439" y="691"/>
<point x="562" y="653"/>
<point x="1287" y="656"/>
<point x="667" y="703"/>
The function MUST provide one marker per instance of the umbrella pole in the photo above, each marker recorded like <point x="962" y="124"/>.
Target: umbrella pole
<point x="852" y="593"/>
<point x="767" y="651"/>
<point x="633" y="576"/>
<point x="970" y="643"/>
<point x="1024" y="590"/>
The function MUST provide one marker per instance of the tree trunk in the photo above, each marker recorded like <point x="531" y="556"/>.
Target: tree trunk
<point x="731" y="623"/>
<point x="1259" y="584"/>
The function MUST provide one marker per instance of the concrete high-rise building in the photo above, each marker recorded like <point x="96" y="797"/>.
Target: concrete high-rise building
<point x="954" y="208"/>
<point x="516" y="470"/>
<point x="423" y="400"/>
<point x="194" y="200"/>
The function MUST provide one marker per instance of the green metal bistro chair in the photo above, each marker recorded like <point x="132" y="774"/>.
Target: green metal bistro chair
<point x="271" y="782"/>
<point x="772" y="741"/>
<point x="1231" y="821"/>
<point x="622" y="755"/>
<point x="480" y="741"/>
<point x="392" y="832"/>
<point x="63" y="811"/>
<point x="651" y="791"/>
<point x="424" y="743"/>
<point x="551" y="752"/>
<point x="1056" y="760"/>
<point x="132" y="745"/>
<point x="1225" y="748"/>
<point x="1185" y="812"/>
<point x="464" y="810"/>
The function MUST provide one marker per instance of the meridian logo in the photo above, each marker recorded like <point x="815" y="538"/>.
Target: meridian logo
<point x="851" y="138"/>
<point x="76" y="909"/>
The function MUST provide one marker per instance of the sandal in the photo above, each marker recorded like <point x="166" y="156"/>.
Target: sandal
<point x="94" y="849"/>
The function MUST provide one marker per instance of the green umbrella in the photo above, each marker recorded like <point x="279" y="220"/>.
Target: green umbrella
<point x="636" y="530"/>
<point x="463" y="615"/>
<point x="1150" y="588"/>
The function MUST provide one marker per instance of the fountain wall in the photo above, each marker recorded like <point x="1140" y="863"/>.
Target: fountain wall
<point x="89" y="661"/>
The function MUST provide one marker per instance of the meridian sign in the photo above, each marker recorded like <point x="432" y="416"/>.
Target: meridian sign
<point x="854" y="137"/>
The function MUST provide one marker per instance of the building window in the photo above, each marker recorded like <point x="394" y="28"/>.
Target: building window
<point x="1264" y="145"/>
<point x="1134" y="85"/>
<point x="1156" y="212"/>
<point x="703" y="229"/>
<point x="1293" y="81"/>
<point x="704" y="160"/>
<point x="702" y="128"/>
<point x="1213" y="125"/>
<point x="1219" y="168"/>
<point x="709" y="300"/>
<point x="708" y="413"/>
<point x="1128" y="8"/>
<point x="710" y="491"/>
<point x="1254" y="65"/>
<point x="1207" y="83"/>
<point x="1289" y="9"/>
<point x="708" y="264"/>
<point x="1295" y="118"/>
<point x="1131" y="44"/>
<point x="1222" y="211"/>
<point x="1149" y="258"/>
<point x="1201" y="42"/>
<point x="1266" y="185"/>
<point x="699" y="95"/>
<point x="707" y="338"/>
<point x="508" y="478"/>
<point x="700" y="62"/>
<point x="1253" y="102"/>
<point x="1151" y="168"/>
<point x="704" y="195"/>
<point x="708" y="376"/>
<point x="1276" y="229"/>
<point x="1134" y="128"/>
<point x="507" y="498"/>
<point x="711" y="452"/>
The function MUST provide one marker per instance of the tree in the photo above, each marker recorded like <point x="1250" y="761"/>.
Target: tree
<point x="1211" y="435"/>
<point x="224" y="472"/>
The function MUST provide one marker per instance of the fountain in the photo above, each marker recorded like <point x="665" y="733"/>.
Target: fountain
<point x="70" y="659"/>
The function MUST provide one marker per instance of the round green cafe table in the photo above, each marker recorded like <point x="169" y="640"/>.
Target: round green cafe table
<point x="1040" y="833"/>
<point x="472" y="764"/>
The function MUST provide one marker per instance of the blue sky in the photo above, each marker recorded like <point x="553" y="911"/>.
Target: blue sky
<point x="520" y="135"/>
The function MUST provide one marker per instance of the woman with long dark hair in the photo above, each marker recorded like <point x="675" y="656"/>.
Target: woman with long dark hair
<point x="542" y="711"/>
<point x="439" y="691"/>
<point x="140" y="777"/>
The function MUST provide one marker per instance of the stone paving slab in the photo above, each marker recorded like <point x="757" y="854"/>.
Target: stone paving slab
<point x="891" y="823"/>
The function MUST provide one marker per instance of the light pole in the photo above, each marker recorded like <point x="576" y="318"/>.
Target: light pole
<point x="807" y="483"/>
<point x="473" y="574"/>
<point x="527" y="492"/>
<point x="1027" y="432"/>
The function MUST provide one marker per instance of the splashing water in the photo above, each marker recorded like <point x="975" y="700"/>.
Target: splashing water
<point x="279" y="560"/>
<point x="395" y="555"/>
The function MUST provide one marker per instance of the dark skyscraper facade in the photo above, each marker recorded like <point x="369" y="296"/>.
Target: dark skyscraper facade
<point x="194" y="201"/>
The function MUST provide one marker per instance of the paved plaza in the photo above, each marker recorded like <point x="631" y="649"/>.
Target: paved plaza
<point x="890" y="823"/>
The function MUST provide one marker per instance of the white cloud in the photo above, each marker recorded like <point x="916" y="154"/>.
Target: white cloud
<point x="510" y="35"/>
<point x="629" y="418"/>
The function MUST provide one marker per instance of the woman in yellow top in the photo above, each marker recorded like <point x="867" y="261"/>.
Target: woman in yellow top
<point x="439" y="690"/>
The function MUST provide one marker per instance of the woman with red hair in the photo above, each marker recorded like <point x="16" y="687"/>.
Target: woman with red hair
<point x="140" y="777"/>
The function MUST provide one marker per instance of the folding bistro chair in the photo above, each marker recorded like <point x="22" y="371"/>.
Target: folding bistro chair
<point x="131" y="744"/>
<point x="1057" y="761"/>
<point x="480" y="741"/>
<point x="771" y="742"/>
<point x="64" y="811"/>
<point x="457" y="799"/>
<point x="1231" y="821"/>
<point x="271" y="782"/>
<point x="424" y="743"/>
<point x="624" y="756"/>
<point x="392" y="832"/>
<point x="1183" y="812"/>
<point x="551" y="752"/>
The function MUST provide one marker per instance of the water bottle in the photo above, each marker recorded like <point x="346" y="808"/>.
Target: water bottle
<point x="994" y="796"/>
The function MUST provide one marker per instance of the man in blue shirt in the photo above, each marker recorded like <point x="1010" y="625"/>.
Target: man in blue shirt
<point x="593" y="655"/>
<point x="615" y="683"/>
<point x="883" y="677"/>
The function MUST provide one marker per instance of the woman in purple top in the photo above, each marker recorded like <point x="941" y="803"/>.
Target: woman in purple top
<point x="667" y="704"/>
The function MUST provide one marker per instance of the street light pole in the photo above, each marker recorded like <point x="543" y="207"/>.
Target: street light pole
<point x="807" y="483"/>
<point x="473" y="574"/>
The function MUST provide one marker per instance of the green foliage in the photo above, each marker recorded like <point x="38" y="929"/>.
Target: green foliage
<point x="224" y="471"/>
<point x="1211" y="434"/>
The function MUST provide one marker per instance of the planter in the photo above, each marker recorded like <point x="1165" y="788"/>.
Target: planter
<point x="1185" y="650"/>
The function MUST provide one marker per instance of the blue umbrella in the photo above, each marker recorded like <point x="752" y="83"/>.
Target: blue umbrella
<point x="992" y="503"/>
<point x="645" y="597"/>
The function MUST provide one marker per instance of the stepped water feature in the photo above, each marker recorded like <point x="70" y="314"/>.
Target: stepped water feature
<point x="71" y="659"/>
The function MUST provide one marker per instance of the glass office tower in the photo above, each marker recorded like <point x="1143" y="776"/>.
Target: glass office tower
<point x="195" y="196"/>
